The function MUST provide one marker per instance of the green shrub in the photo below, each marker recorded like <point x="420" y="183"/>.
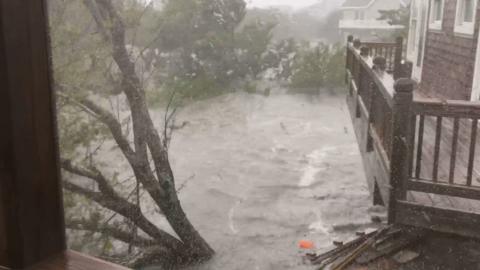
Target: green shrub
<point x="319" y="67"/>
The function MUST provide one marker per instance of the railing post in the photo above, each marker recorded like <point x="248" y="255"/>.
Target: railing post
<point x="348" y="64"/>
<point x="379" y="65"/>
<point x="358" y="77"/>
<point x="406" y="70"/>
<point x="371" y="115"/>
<point x="397" y="62"/>
<point x="357" y="43"/>
<point x="401" y="143"/>
<point x="364" y="51"/>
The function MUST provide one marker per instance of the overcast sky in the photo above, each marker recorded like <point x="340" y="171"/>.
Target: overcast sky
<point x="292" y="3"/>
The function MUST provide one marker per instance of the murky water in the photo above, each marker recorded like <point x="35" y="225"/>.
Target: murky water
<point x="258" y="174"/>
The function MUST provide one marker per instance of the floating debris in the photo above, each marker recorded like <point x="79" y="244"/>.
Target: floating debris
<point x="368" y="247"/>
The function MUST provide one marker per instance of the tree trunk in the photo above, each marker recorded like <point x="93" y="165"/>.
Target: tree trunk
<point x="147" y="139"/>
<point x="197" y="247"/>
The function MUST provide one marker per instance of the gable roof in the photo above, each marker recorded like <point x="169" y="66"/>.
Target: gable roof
<point x="356" y="3"/>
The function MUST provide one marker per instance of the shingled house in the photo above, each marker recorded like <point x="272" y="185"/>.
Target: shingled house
<point x="360" y="18"/>
<point x="443" y="45"/>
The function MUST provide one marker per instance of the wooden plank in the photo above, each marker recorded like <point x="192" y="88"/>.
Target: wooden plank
<point x="438" y="137"/>
<point x="382" y="153"/>
<point x="71" y="260"/>
<point x="32" y="200"/>
<point x="420" y="198"/>
<point x="444" y="189"/>
<point x="453" y="154"/>
<point x="421" y="130"/>
<point x="448" y="108"/>
<point x="375" y="168"/>
<point x="471" y="158"/>
<point x="439" y="219"/>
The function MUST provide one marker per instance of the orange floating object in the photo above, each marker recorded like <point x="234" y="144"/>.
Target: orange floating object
<point x="305" y="244"/>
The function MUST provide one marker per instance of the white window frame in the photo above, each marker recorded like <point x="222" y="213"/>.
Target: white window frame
<point x="435" y="23"/>
<point x="462" y="27"/>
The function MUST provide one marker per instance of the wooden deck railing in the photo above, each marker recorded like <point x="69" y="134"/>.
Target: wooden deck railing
<point x="380" y="104"/>
<point x="390" y="51"/>
<point x="411" y="146"/>
<point x="454" y="136"/>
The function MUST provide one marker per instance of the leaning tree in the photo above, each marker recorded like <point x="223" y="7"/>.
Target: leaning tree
<point x="93" y="65"/>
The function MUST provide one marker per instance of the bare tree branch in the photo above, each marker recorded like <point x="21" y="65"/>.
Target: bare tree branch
<point x="112" y="201"/>
<point x="117" y="233"/>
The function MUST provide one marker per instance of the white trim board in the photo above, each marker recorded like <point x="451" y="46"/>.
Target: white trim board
<point x="475" y="94"/>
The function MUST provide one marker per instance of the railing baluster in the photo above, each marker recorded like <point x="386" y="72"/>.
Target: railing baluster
<point x="421" y="128"/>
<point x="436" y="156"/>
<point x="389" y="55"/>
<point x="471" y="159"/>
<point x="412" y="143"/>
<point x="453" y="155"/>
<point x="385" y="52"/>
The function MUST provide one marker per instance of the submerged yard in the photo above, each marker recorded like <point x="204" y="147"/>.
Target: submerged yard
<point x="258" y="174"/>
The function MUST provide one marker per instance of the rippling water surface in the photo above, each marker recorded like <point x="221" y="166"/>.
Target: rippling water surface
<point x="258" y="174"/>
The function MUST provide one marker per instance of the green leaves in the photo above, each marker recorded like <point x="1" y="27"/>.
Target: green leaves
<point x="317" y="67"/>
<point x="400" y="16"/>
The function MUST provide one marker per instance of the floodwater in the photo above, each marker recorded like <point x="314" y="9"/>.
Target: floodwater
<point x="258" y="174"/>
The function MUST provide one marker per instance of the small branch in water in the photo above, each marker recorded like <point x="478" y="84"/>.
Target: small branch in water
<point x="184" y="184"/>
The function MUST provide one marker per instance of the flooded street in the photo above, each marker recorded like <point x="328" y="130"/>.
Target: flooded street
<point x="258" y="174"/>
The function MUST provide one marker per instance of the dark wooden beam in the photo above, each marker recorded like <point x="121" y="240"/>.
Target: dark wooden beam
<point x="438" y="219"/>
<point x="447" y="108"/>
<point x="5" y="143"/>
<point x="31" y="210"/>
<point x="447" y="189"/>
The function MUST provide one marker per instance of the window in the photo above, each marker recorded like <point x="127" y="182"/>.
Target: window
<point x="359" y="15"/>
<point x="465" y="16"/>
<point x="436" y="14"/>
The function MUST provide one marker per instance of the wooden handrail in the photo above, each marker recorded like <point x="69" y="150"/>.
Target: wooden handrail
<point x="447" y="108"/>
<point x="385" y="84"/>
<point x="454" y="190"/>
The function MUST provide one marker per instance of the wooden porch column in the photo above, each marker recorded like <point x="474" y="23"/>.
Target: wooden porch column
<point x="401" y="143"/>
<point x="31" y="210"/>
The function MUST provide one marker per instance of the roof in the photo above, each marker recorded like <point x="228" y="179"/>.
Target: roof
<point x="366" y="3"/>
<point x="356" y="3"/>
<point x="367" y="24"/>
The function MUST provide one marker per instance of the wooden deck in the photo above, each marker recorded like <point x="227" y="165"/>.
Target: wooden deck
<point x="420" y="155"/>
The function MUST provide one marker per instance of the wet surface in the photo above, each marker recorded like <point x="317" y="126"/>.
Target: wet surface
<point x="258" y="174"/>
